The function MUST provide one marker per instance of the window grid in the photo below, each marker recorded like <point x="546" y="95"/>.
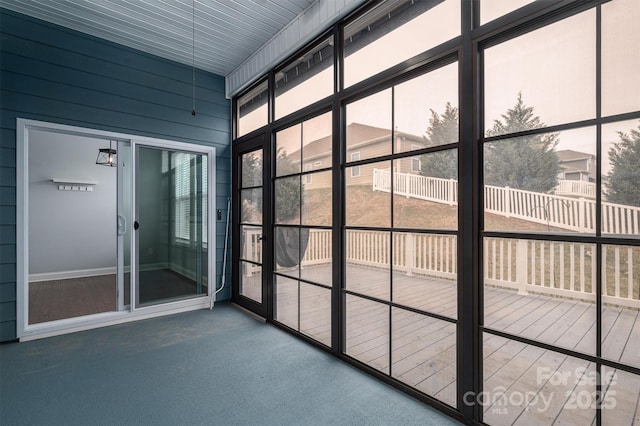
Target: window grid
<point x="484" y="42"/>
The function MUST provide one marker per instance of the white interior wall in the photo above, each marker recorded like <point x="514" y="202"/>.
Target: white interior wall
<point x="70" y="230"/>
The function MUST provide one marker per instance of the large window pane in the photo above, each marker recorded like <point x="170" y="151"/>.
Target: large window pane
<point x="492" y="9"/>
<point x="286" y="309"/>
<point x="621" y="397"/>
<point x="316" y="142"/>
<point x="541" y="183"/>
<point x="316" y="199"/>
<point x="395" y="31"/>
<point x="620" y="303"/>
<point x="315" y="312"/>
<point x="288" y="152"/>
<point x="368" y="256"/>
<point x="541" y="290"/>
<point x="620" y="37"/>
<point x="525" y="384"/>
<point x="425" y="272"/>
<point x="251" y="169"/>
<point x="368" y="195"/>
<point x="287" y="200"/>
<point x="548" y="73"/>
<point x="290" y="246"/>
<point x="251" y="243"/>
<point x="423" y="352"/>
<point x="317" y="258"/>
<point x="250" y="281"/>
<point x="621" y="178"/>
<point x="427" y="197"/>
<point x="367" y="332"/>
<point x="369" y="127"/>
<point x="252" y="110"/>
<point x="251" y="205"/>
<point x="308" y="79"/>
<point x="426" y="110"/>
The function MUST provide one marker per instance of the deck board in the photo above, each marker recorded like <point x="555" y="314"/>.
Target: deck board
<point x="423" y="349"/>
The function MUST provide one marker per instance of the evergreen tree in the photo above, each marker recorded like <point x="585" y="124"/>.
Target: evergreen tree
<point x="623" y="181"/>
<point x="443" y="129"/>
<point x="527" y="162"/>
<point x="287" y="189"/>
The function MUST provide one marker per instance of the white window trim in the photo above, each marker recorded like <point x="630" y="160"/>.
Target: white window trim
<point x="26" y="331"/>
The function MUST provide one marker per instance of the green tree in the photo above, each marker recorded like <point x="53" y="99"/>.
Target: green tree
<point x="443" y="129"/>
<point x="622" y="181"/>
<point x="526" y="162"/>
<point x="287" y="189"/>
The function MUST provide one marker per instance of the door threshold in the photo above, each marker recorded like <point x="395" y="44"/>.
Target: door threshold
<point x="249" y="313"/>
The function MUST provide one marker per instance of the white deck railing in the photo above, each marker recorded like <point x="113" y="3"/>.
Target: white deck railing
<point x="559" y="269"/>
<point x="576" y="188"/>
<point x="575" y="214"/>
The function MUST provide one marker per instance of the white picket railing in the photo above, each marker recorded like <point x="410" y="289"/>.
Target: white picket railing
<point x="559" y="269"/>
<point x="576" y="188"/>
<point x="415" y="186"/>
<point x="575" y="214"/>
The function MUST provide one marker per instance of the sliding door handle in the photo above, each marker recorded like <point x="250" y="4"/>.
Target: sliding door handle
<point x="136" y="225"/>
<point x="122" y="225"/>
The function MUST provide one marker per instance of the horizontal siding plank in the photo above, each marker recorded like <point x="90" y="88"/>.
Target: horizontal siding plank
<point x="22" y="104"/>
<point x="167" y="92"/>
<point x="7" y="215"/>
<point x="7" y="273"/>
<point x="7" y="292"/>
<point x="8" y="138"/>
<point x="27" y="86"/>
<point x="15" y="24"/>
<point x="7" y="195"/>
<point x="48" y="55"/>
<point x="7" y="176"/>
<point x="7" y="157"/>
<point x="7" y="311"/>
<point x="7" y="253"/>
<point x="7" y="331"/>
<point x="8" y="118"/>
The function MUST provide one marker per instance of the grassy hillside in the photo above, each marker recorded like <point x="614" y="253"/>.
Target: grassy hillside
<point x="368" y="208"/>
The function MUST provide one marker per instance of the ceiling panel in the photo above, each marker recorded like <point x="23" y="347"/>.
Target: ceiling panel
<point x="227" y="32"/>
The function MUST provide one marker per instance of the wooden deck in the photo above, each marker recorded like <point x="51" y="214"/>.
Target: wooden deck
<point x="523" y="384"/>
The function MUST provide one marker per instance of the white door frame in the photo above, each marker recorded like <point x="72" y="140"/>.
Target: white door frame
<point x="25" y="331"/>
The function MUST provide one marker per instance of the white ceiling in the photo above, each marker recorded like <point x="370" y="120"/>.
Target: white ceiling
<point x="227" y="32"/>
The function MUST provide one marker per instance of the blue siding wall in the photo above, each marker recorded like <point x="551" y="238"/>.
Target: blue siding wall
<point x="50" y="73"/>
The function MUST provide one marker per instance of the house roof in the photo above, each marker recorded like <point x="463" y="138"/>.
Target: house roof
<point x="570" y="155"/>
<point x="357" y="134"/>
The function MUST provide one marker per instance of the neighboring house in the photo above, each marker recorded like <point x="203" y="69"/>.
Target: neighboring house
<point x="575" y="165"/>
<point x="363" y="142"/>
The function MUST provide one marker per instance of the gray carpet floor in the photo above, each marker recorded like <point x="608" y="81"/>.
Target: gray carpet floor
<point x="217" y="367"/>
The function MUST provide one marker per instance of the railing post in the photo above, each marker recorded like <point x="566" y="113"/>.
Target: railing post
<point x="250" y="242"/>
<point x="506" y="201"/>
<point x="581" y="214"/>
<point x="522" y="258"/>
<point x="375" y="179"/>
<point x="410" y="253"/>
<point x="407" y="182"/>
<point x="451" y="189"/>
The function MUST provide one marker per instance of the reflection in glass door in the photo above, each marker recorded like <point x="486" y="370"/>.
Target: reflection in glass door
<point x="75" y="258"/>
<point x="171" y="225"/>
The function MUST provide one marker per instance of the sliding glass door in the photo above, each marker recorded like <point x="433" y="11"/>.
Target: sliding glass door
<point x="171" y="225"/>
<point x="110" y="227"/>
